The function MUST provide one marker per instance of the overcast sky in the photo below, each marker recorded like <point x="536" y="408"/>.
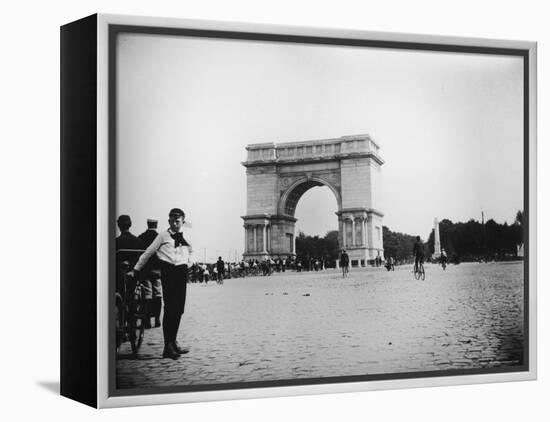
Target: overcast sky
<point x="449" y="126"/>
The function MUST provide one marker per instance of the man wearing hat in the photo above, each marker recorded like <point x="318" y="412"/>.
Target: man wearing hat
<point x="126" y="241"/>
<point x="127" y="247"/>
<point x="173" y="251"/>
<point x="151" y="275"/>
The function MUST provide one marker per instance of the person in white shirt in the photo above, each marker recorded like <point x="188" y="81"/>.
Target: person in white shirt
<point x="173" y="251"/>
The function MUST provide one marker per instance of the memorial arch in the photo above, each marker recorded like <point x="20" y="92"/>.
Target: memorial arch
<point x="279" y="174"/>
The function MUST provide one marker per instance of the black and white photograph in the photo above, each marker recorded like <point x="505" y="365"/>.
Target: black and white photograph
<point x="311" y="211"/>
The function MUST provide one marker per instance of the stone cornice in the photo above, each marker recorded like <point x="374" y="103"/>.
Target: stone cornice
<point x="313" y="159"/>
<point x="342" y="212"/>
<point x="266" y="218"/>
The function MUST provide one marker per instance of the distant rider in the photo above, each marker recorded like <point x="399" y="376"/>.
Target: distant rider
<point x="443" y="258"/>
<point x="418" y="252"/>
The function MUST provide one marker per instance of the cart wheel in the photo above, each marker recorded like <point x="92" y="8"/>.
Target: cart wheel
<point x="136" y="333"/>
<point x="118" y="330"/>
<point x="136" y="329"/>
<point x="119" y="321"/>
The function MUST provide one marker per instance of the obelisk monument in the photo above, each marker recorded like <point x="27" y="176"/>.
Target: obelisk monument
<point x="437" y="243"/>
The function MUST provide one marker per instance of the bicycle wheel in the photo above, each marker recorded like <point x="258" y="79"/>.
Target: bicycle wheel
<point x="136" y="323"/>
<point x="422" y="272"/>
<point x="118" y="328"/>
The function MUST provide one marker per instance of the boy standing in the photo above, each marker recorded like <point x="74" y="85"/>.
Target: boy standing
<point x="173" y="252"/>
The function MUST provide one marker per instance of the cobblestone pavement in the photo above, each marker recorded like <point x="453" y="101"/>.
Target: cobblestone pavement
<point x="309" y="325"/>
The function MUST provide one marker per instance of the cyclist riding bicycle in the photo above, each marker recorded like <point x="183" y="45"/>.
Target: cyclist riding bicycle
<point x="418" y="252"/>
<point x="443" y="258"/>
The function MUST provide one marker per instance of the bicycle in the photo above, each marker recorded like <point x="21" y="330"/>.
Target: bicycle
<point x="131" y="309"/>
<point x="419" y="272"/>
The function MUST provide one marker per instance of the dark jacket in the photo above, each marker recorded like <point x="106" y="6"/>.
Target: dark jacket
<point x="344" y="259"/>
<point x="418" y="250"/>
<point x="220" y="265"/>
<point x="147" y="238"/>
<point x="125" y="244"/>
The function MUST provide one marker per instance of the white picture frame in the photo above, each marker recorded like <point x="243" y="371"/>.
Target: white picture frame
<point x="99" y="39"/>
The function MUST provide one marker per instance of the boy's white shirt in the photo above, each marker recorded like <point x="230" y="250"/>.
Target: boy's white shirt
<point x="163" y="246"/>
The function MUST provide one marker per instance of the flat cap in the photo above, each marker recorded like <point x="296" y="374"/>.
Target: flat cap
<point x="176" y="212"/>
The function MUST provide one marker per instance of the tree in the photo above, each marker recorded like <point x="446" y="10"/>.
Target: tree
<point x="519" y="218"/>
<point x="517" y="229"/>
<point x="397" y="245"/>
<point x="326" y="247"/>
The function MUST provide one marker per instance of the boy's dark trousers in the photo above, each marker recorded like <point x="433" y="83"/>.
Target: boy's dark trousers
<point x="174" y="289"/>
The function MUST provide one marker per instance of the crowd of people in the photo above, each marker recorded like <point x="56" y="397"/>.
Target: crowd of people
<point x="202" y="272"/>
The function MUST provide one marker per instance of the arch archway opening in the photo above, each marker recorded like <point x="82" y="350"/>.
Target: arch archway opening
<point x="296" y="194"/>
<point x="316" y="229"/>
<point x="315" y="211"/>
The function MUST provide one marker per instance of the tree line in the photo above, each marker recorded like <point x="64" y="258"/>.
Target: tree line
<point x="469" y="241"/>
<point x="326" y="247"/>
<point x="474" y="241"/>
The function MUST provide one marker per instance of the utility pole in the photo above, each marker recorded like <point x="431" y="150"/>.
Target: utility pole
<point x="484" y="245"/>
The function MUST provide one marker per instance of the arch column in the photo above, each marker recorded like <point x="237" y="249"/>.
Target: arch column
<point x="364" y="230"/>
<point x="359" y="231"/>
<point x="353" y="240"/>
<point x="269" y="236"/>
<point x="246" y="246"/>
<point x="343" y="229"/>
<point x="249" y="244"/>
